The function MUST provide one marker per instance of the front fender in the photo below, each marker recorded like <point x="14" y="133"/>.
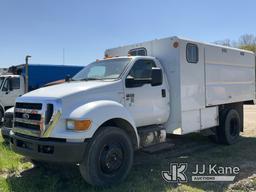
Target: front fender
<point x="99" y="112"/>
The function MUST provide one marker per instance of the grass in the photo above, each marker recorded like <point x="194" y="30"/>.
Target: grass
<point x="9" y="161"/>
<point x="17" y="173"/>
<point x="145" y="175"/>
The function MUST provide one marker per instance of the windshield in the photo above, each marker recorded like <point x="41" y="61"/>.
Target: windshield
<point x="1" y="81"/>
<point x="104" y="69"/>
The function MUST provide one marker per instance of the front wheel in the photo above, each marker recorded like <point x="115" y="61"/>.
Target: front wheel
<point x="1" y="116"/>
<point x="108" y="158"/>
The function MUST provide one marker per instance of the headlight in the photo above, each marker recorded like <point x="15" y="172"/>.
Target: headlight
<point x="79" y="125"/>
<point x="70" y="124"/>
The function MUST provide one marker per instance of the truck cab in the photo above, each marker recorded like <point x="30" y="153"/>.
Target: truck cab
<point x="128" y="92"/>
<point x="11" y="86"/>
<point x="135" y="83"/>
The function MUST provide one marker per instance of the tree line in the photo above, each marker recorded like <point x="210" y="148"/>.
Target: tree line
<point x="246" y="41"/>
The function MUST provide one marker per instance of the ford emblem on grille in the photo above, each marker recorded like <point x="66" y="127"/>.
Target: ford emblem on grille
<point x="25" y="116"/>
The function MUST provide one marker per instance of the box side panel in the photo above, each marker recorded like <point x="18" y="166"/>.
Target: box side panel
<point x="230" y="75"/>
<point x="190" y="121"/>
<point x="192" y="88"/>
<point x="169" y="58"/>
<point x="192" y="79"/>
<point x="209" y="117"/>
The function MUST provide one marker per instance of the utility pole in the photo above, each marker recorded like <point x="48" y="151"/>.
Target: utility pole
<point x="26" y="77"/>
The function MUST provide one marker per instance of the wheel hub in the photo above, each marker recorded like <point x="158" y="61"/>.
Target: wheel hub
<point x="234" y="127"/>
<point x="111" y="158"/>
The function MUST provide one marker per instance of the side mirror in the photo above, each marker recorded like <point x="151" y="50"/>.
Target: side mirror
<point x="129" y="81"/>
<point x="157" y="76"/>
<point x="133" y="82"/>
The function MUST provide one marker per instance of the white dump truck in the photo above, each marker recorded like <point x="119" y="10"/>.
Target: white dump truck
<point x="130" y="100"/>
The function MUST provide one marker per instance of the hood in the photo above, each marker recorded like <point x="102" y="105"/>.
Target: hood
<point x="67" y="89"/>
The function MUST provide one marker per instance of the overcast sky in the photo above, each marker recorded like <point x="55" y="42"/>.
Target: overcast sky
<point x="84" y="29"/>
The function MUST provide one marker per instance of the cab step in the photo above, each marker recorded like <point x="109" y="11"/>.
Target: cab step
<point x="159" y="147"/>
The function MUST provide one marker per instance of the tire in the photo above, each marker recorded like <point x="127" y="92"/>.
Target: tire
<point x="230" y="126"/>
<point x="108" y="157"/>
<point x="1" y="116"/>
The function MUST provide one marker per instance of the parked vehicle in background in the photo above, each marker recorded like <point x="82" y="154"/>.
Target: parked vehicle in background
<point x="3" y="70"/>
<point x="122" y="103"/>
<point x="7" y="124"/>
<point x="13" y="85"/>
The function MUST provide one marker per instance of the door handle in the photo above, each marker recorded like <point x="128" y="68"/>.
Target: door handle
<point x="163" y="93"/>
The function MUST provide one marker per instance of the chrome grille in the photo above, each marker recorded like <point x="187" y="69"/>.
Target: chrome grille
<point x="29" y="116"/>
<point x="37" y="106"/>
<point x="27" y="126"/>
<point x="36" y="119"/>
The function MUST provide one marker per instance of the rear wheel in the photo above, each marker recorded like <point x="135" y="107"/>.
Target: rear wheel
<point x="230" y="126"/>
<point x="108" y="158"/>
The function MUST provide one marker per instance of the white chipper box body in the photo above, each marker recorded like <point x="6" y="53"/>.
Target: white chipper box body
<point x="201" y="77"/>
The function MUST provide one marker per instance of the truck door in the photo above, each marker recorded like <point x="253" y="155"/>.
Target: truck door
<point x="10" y="91"/>
<point x="148" y="104"/>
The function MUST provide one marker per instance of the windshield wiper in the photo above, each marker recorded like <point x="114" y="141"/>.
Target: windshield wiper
<point x="90" y="79"/>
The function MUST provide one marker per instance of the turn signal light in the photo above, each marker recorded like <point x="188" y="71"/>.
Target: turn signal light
<point x="176" y="44"/>
<point x="82" y="125"/>
<point x="79" y="125"/>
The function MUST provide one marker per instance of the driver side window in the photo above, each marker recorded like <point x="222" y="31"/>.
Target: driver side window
<point x="5" y="86"/>
<point x="142" y="69"/>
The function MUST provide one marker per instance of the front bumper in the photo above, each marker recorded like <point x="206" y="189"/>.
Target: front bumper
<point x="43" y="149"/>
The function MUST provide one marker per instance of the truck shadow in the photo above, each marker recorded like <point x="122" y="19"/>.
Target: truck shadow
<point x="146" y="172"/>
